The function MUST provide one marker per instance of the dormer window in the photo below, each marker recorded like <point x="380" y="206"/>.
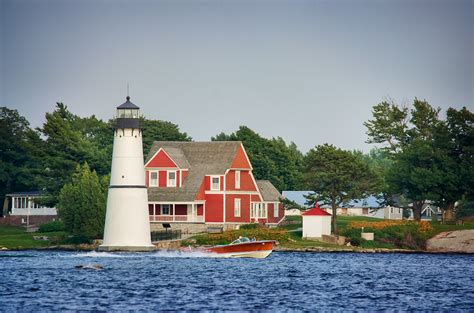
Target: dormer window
<point x="154" y="179"/>
<point x="171" y="181"/>
<point x="215" y="183"/>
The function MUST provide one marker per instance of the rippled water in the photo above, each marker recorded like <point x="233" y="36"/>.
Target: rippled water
<point x="31" y="281"/>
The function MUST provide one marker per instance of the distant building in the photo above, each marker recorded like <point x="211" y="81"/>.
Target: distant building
<point x="369" y="206"/>
<point x="298" y="198"/>
<point x="22" y="209"/>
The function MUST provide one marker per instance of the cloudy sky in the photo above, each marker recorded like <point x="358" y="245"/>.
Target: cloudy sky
<point x="308" y="71"/>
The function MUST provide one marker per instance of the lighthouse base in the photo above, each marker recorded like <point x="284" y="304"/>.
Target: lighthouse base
<point x="127" y="248"/>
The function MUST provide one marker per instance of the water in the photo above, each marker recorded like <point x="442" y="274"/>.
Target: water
<point x="45" y="280"/>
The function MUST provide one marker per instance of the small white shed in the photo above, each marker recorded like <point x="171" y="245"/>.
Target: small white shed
<point x="316" y="223"/>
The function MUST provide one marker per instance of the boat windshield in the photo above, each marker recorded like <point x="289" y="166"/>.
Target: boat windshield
<point x="242" y="240"/>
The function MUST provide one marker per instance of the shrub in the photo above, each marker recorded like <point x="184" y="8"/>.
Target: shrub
<point x="51" y="226"/>
<point x="249" y="226"/>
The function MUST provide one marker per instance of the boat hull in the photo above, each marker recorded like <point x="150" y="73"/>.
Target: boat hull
<point x="255" y="249"/>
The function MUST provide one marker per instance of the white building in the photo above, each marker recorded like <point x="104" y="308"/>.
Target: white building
<point x="22" y="208"/>
<point x="316" y="223"/>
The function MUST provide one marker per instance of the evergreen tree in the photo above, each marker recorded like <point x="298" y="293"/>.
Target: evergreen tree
<point x="82" y="203"/>
<point x="337" y="176"/>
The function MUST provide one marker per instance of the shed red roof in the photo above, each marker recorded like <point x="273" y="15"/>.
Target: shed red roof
<point x="316" y="211"/>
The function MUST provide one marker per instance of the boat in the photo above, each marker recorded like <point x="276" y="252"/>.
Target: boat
<point x="244" y="247"/>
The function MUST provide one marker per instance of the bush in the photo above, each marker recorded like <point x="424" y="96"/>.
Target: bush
<point x="249" y="226"/>
<point x="76" y="240"/>
<point x="51" y="227"/>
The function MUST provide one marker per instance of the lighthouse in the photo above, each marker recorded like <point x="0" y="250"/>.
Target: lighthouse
<point x="127" y="226"/>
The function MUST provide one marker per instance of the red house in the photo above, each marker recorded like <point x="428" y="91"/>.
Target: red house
<point x="207" y="183"/>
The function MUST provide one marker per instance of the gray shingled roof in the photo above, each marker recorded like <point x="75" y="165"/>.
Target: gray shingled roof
<point x="268" y="191"/>
<point x="201" y="158"/>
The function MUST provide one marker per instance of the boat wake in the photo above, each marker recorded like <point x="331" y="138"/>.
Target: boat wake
<point x="95" y="254"/>
<point x="156" y="254"/>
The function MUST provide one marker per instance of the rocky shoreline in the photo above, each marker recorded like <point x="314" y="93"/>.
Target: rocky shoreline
<point x="453" y="242"/>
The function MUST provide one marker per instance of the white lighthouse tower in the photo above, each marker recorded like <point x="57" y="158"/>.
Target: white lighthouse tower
<point x="127" y="226"/>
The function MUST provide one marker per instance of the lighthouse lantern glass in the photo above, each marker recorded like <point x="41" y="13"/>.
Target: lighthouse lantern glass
<point x="128" y="113"/>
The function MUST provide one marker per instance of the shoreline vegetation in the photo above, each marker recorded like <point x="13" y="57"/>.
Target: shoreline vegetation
<point x="390" y="237"/>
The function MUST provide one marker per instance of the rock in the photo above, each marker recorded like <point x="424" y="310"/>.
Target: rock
<point x="459" y="241"/>
<point x="89" y="267"/>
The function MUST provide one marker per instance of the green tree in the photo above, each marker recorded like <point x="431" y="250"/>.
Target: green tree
<point x="156" y="130"/>
<point x="70" y="140"/>
<point x="429" y="157"/>
<point x="336" y="176"/>
<point x="271" y="159"/>
<point x="20" y="152"/>
<point x="82" y="203"/>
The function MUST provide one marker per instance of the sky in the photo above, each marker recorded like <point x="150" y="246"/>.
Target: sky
<point x="307" y="71"/>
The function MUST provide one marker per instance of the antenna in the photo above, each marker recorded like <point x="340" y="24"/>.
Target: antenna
<point x="128" y="93"/>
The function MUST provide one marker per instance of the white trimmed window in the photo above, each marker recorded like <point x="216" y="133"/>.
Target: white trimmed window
<point x="215" y="183"/>
<point x="171" y="181"/>
<point x="165" y="209"/>
<point x="258" y="210"/>
<point x="237" y="179"/>
<point x="276" y="209"/>
<point x="153" y="178"/>
<point x="237" y="207"/>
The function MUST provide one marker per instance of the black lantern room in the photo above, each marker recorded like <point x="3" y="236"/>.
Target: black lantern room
<point x="128" y="115"/>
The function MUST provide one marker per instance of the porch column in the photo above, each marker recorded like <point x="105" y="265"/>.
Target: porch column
<point x="174" y="212"/>
<point x="193" y="212"/>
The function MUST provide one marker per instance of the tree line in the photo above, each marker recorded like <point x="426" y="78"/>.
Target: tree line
<point x="420" y="157"/>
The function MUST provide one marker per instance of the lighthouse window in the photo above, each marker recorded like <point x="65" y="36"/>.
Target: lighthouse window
<point x="171" y="179"/>
<point x="153" y="179"/>
<point x="215" y="183"/>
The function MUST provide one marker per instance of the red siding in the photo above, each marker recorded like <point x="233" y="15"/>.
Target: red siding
<point x="270" y="210"/>
<point x="162" y="178"/>
<point x="214" y="205"/>
<point x="244" y="208"/>
<point x="201" y="195"/>
<point x="147" y="177"/>
<point x="161" y="160"/>
<point x="200" y="209"/>
<point x="184" y="173"/>
<point x="246" y="181"/>
<point x="256" y="198"/>
<point x="240" y="161"/>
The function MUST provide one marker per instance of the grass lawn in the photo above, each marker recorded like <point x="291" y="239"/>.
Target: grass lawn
<point x="13" y="237"/>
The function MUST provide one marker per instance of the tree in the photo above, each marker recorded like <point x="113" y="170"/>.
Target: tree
<point x="336" y="176"/>
<point x="271" y="159"/>
<point x="82" y="203"/>
<point x="423" y="152"/>
<point x="70" y="140"/>
<point x="155" y="130"/>
<point x="20" y="151"/>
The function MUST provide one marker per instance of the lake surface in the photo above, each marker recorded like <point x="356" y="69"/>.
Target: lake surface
<point x="46" y="280"/>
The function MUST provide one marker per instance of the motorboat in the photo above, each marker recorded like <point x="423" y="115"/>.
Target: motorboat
<point x="244" y="247"/>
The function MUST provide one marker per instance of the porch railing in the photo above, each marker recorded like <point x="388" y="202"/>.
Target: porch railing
<point x="177" y="218"/>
